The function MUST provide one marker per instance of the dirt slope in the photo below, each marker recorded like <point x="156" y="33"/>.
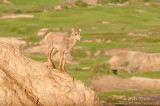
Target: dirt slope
<point x="27" y="82"/>
<point x="111" y="82"/>
<point x="134" y="61"/>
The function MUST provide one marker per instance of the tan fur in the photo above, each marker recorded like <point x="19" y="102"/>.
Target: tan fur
<point x="60" y="42"/>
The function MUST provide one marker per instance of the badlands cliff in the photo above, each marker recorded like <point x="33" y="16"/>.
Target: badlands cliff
<point x="27" y="82"/>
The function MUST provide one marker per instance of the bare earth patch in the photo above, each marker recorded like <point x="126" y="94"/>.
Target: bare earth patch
<point x="134" y="61"/>
<point x="6" y="1"/>
<point x="88" y="52"/>
<point x="112" y="82"/>
<point x="58" y="7"/>
<point x="90" y="1"/>
<point x="119" y="4"/>
<point x="97" y="53"/>
<point x="16" y="41"/>
<point x="136" y="34"/>
<point x="42" y="31"/>
<point x="109" y="41"/>
<point x="122" y="4"/>
<point x="86" y="68"/>
<point x="94" y="27"/>
<point x="86" y="1"/>
<point x="147" y="4"/>
<point x="113" y="51"/>
<point x="77" y="47"/>
<point x="6" y="16"/>
<point x="94" y="40"/>
<point x="105" y="22"/>
<point x="87" y="41"/>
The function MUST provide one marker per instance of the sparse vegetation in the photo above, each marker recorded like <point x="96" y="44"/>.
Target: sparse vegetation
<point x="125" y="95"/>
<point x="81" y="3"/>
<point x="38" y="57"/>
<point x="111" y="1"/>
<point x="125" y="63"/>
<point x="102" y="68"/>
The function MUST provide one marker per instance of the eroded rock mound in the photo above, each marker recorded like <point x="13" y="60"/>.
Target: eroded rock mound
<point x="27" y="82"/>
<point x="135" y="61"/>
<point x="16" y="41"/>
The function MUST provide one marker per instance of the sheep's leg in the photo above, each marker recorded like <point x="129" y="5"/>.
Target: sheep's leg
<point x="51" y="53"/>
<point x="64" y="62"/>
<point x="49" y="56"/>
<point x="61" y="60"/>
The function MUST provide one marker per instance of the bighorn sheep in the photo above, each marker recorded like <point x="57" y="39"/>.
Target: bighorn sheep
<point x="63" y="44"/>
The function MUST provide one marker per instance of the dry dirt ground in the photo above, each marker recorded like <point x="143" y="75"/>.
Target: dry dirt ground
<point x="42" y="31"/>
<point x="86" y="1"/>
<point x="6" y="1"/>
<point x="5" y="16"/>
<point x="94" y="40"/>
<point x="27" y="82"/>
<point x="133" y="61"/>
<point x="135" y="34"/>
<point x="112" y="82"/>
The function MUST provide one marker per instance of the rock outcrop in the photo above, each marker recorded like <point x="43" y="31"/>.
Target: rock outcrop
<point x="16" y="41"/>
<point x="27" y="82"/>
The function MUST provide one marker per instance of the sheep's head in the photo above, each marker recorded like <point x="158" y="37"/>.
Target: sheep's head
<point x="76" y="34"/>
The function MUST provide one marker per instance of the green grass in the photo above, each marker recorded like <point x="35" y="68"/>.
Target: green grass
<point x="38" y="57"/>
<point x="29" y="6"/>
<point x="123" y="20"/>
<point x="149" y="74"/>
<point x="108" y="96"/>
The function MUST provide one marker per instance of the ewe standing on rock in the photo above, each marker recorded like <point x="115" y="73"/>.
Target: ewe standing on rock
<point x="63" y="44"/>
<point x="27" y="82"/>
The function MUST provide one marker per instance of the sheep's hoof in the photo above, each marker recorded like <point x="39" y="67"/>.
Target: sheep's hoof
<point x="51" y="66"/>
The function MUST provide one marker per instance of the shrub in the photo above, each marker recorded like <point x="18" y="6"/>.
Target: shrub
<point x="111" y="1"/>
<point x="81" y="3"/>
<point x="146" y="0"/>
<point x="102" y="68"/>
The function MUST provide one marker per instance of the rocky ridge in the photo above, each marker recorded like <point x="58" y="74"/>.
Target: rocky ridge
<point x="27" y="82"/>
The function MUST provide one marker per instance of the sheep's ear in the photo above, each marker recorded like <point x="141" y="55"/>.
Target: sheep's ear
<point x="80" y="30"/>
